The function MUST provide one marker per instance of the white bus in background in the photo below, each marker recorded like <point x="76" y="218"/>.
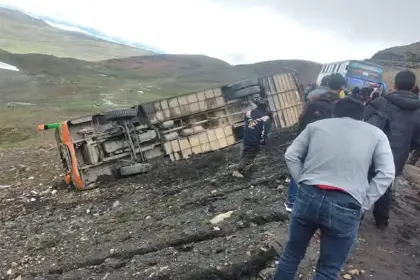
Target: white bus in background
<point x="357" y="73"/>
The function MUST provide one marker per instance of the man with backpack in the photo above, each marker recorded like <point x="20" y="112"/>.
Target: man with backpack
<point x="398" y="115"/>
<point x="256" y="129"/>
<point x="319" y="106"/>
<point x="323" y="88"/>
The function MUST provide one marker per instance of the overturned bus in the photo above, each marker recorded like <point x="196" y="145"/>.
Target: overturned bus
<point x="124" y="142"/>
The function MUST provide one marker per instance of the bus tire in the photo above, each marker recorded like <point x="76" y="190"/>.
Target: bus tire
<point x="243" y="84"/>
<point x="247" y="91"/>
<point x="120" y="114"/>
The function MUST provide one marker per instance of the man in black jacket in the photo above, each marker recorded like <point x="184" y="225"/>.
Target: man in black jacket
<point x="320" y="105"/>
<point x="256" y="129"/>
<point x="398" y="115"/>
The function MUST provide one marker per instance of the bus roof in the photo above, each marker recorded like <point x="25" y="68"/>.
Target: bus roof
<point x="354" y="60"/>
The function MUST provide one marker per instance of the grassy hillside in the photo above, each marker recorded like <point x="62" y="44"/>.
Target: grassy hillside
<point x="398" y="58"/>
<point x="23" y="34"/>
<point x="407" y="56"/>
<point x="65" y="81"/>
<point x="194" y="72"/>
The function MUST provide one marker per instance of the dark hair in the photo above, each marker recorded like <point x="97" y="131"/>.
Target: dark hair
<point x="325" y="80"/>
<point x="365" y="93"/>
<point x="349" y="107"/>
<point x="405" y="80"/>
<point x="263" y="105"/>
<point x="355" y="90"/>
<point x="416" y="89"/>
<point x="336" y="81"/>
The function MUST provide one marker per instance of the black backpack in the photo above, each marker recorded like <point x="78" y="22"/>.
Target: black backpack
<point x="376" y="114"/>
<point x="318" y="109"/>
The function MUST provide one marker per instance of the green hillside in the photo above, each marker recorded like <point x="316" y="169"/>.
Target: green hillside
<point x="23" y="34"/>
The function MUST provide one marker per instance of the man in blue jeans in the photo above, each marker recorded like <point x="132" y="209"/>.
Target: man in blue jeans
<point x="319" y="106"/>
<point x="331" y="167"/>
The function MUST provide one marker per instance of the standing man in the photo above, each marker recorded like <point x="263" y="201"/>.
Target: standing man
<point x="331" y="167"/>
<point x="256" y="129"/>
<point x="320" y="106"/>
<point x="398" y="115"/>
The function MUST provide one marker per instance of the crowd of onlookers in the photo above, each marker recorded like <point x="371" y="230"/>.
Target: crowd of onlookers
<point x="350" y="147"/>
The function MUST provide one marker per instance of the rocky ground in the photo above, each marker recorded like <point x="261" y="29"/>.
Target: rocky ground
<point x="186" y="220"/>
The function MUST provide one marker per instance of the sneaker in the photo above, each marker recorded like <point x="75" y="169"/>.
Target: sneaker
<point x="288" y="206"/>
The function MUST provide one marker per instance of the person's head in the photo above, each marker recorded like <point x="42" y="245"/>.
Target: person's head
<point x="416" y="90"/>
<point x="348" y="107"/>
<point x="365" y="93"/>
<point x="324" y="81"/>
<point x="405" y="80"/>
<point x="263" y="105"/>
<point x="336" y="82"/>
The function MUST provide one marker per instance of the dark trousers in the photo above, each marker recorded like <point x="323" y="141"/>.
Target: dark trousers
<point x="337" y="215"/>
<point x="249" y="153"/>
<point x="382" y="208"/>
<point x="414" y="157"/>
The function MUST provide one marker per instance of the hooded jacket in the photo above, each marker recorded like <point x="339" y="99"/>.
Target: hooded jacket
<point x="398" y="116"/>
<point x="256" y="128"/>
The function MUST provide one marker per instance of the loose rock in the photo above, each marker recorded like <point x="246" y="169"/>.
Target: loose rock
<point x="221" y="217"/>
<point x="354" y="272"/>
<point x="116" y="204"/>
<point x="237" y="174"/>
<point x="267" y="273"/>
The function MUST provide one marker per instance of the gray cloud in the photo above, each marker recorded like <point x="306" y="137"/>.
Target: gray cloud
<point x="386" y="21"/>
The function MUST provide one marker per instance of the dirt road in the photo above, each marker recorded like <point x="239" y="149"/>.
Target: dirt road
<point x="159" y="226"/>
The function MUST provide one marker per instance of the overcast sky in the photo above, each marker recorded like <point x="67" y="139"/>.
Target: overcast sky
<point x="246" y="31"/>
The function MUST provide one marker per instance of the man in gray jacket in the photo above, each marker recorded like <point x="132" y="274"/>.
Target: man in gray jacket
<point x="331" y="168"/>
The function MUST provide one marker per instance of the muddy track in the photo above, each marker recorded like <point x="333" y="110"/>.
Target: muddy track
<point x="158" y="225"/>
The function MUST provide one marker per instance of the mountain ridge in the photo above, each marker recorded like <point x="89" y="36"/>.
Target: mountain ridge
<point x="83" y="29"/>
<point x="403" y="56"/>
